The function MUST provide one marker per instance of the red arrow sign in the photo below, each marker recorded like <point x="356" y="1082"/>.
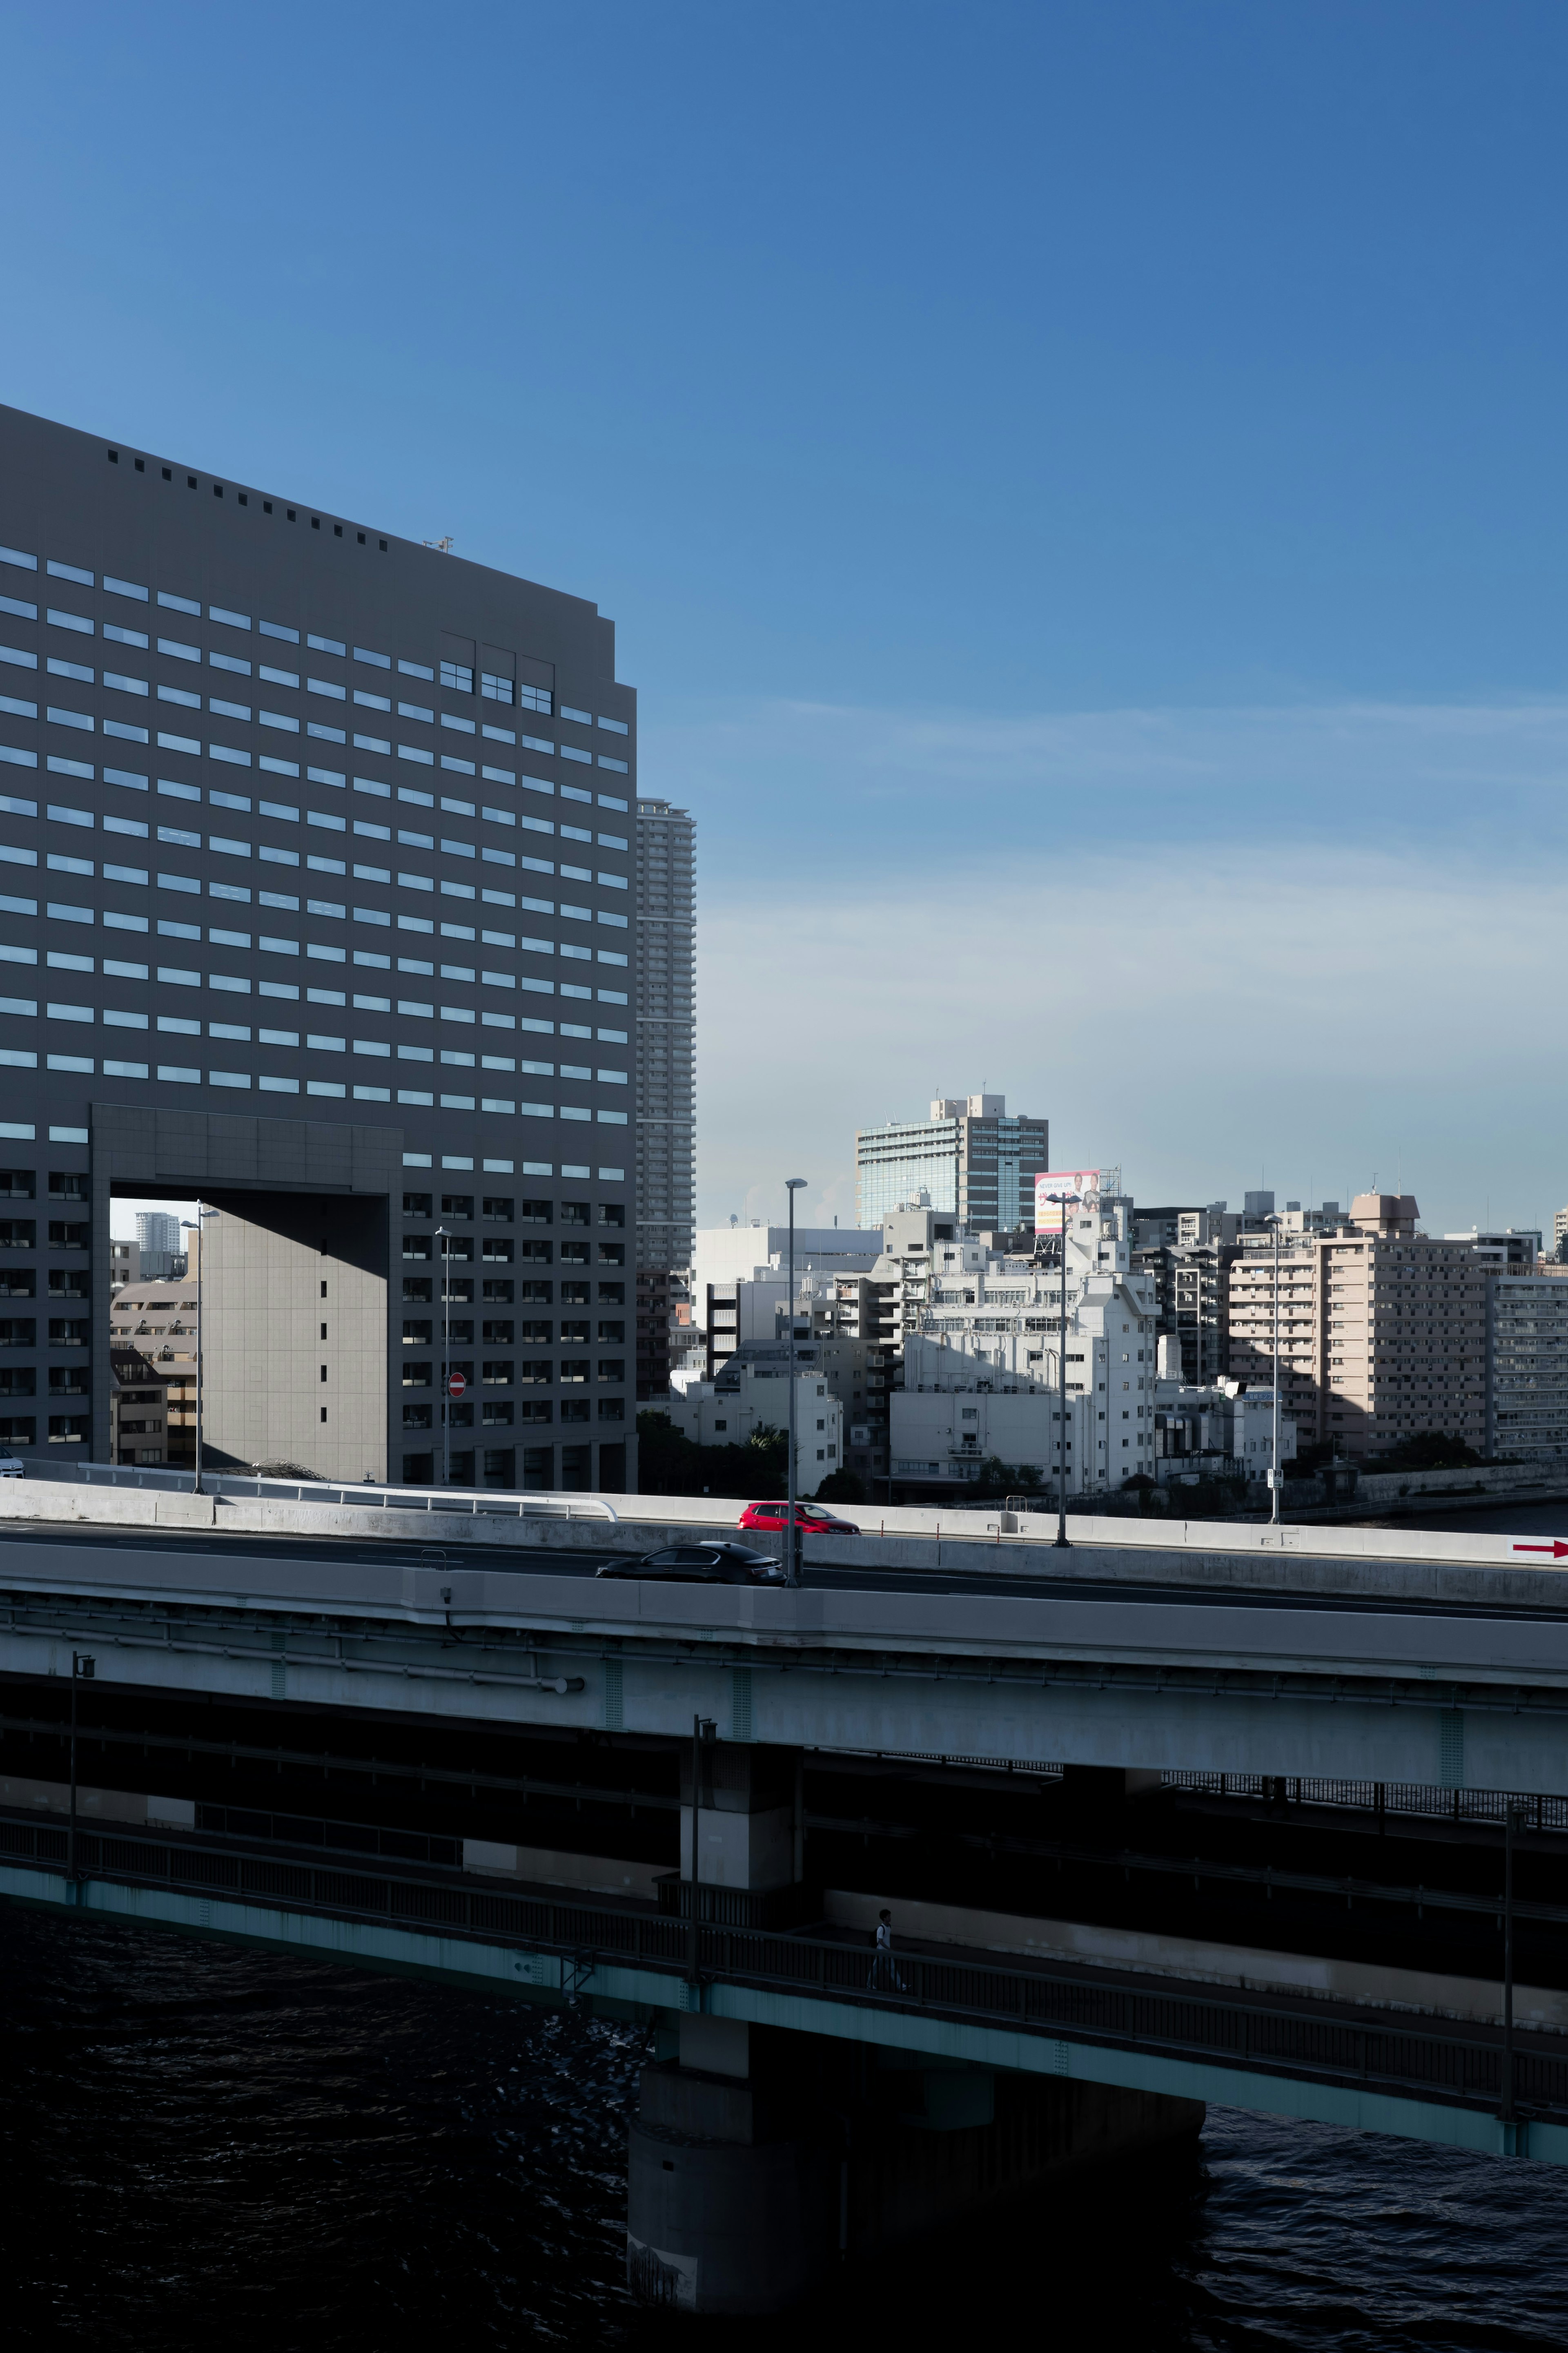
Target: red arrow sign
<point x="1557" y="1548"/>
<point x="457" y="1385"/>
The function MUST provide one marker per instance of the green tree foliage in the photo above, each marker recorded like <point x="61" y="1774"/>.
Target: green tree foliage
<point x="1425" y="1449"/>
<point x="670" y="1463"/>
<point x="843" y="1487"/>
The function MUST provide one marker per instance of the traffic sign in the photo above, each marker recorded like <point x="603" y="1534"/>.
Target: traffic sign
<point x="1557" y="1549"/>
<point x="456" y="1385"/>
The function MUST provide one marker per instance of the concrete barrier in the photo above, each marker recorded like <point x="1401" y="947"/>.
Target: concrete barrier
<point x="1370" y="1563"/>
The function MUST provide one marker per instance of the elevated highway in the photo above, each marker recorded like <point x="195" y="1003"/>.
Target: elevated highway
<point x="1170" y="1817"/>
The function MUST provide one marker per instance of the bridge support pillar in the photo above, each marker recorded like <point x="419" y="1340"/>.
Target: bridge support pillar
<point x="759" y="2159"/>
<point x="747" y="1826"/>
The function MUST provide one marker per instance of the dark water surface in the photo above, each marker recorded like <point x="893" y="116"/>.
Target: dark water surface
<point x="203" y="2144"/>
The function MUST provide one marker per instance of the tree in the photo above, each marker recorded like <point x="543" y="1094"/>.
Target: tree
<point x="670" y="1463"/>
<point x="843" y="1487"/>
<point x="1425" y="1449"/>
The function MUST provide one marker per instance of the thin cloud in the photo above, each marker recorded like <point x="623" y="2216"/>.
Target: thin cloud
<point x="1198" y="1015"/>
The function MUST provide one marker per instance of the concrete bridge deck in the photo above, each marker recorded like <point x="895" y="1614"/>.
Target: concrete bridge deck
<point x="1378" y="1656"/>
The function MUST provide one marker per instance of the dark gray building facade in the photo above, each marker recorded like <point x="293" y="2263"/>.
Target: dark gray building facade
<point x="315" y="903"/>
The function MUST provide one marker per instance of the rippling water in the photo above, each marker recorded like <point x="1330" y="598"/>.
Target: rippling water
<point x="204" y="2141"/>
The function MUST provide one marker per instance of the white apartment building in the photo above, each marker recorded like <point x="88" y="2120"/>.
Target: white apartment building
<point x="1219" y="1430"/>
<point x="725" y="1255"/>
<point x="980" y="1368"/>
<point x="751" y="1397"/>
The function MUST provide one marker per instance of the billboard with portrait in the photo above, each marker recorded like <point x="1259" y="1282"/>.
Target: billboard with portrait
<point x="1083" y="1182"/>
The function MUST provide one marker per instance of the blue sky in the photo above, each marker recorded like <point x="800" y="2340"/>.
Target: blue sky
<point x="1081" y="489"/>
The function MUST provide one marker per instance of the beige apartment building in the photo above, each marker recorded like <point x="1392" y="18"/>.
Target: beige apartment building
<point x="1382" y="1332"/>
<point x="157" y="1322"/>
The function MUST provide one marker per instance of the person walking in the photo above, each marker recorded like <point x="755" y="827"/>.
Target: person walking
<point x="884" y="1969"/>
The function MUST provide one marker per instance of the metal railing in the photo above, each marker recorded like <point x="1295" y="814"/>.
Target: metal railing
<point x="507" y="1503"/>
<point x="1420" y="1798"/>
<point x="1301" y="2040"/>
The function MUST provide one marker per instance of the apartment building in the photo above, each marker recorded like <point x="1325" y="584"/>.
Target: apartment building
<point x="1527" y="1399"/>
<point x="139" y="1399"/>
<point x="1377" y="1332"/>
<point x="986" y="1334"/>
<point x="317" y="906"/>
<point x="1192" y="1288"/>
<point x="972" y="1159"/>
<point x="747" y="1398"/>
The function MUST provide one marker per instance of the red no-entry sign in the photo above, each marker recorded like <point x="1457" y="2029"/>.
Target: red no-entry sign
<point x="456" y="1385"/>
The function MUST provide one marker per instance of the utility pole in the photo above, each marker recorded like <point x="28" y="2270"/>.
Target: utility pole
<point x="83" y="1669"/>
<point x="704" y="1732"/>
<point x="1274" y="1444"/>
<point x="1062" y="1199"/>
<point x="194" y="1226"/>
<point x="791" y="1558"/>
<point x="1513" y="1821"/>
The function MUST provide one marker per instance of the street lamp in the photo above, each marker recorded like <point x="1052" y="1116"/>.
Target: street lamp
<point x="792" y="1560"/>
<point x="1274" y="1442"/>
<point x="193" y="1226"/>
<point x="1062" y="1199"/>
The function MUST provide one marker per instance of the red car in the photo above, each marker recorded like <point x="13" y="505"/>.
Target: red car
<point x="810" y="1518"/>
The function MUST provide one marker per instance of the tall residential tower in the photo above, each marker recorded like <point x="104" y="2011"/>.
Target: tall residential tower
<point x="666" y="912"/>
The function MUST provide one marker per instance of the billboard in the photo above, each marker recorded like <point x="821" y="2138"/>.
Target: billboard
<point x="1083" y="1182"/>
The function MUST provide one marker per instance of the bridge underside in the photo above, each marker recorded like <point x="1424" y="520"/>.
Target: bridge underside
<point x="1118" y="1887"/>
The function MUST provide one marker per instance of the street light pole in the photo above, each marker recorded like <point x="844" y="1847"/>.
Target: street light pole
<point x="194" y="1226"/>
<point x="792" y="1561"/>
<point x="1062" y="1199"/>
<point x="1274" y="1442"/>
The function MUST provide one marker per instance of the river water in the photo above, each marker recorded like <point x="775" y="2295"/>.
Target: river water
<point x="205" y="2145"/>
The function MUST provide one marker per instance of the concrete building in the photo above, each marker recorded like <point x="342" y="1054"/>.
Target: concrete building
<point x="319" y="903"/>
<point x="972" y="1158"/>
<point x="1527" y="1357"/>
<point x="156" y="1323"/>
<point x="1216" y="1431"/>
<point x="748" y="1397"/>
<point x="666" y="904"/>
<point x="663" y="1323"/>
<point x="140" y="1405"/>
<point x="160" y="1243"/>
<point x="980" y="1373"/>
<point x="1516" y="1248"/>
<point x="740" y="1280"/>
<point x="1192" y="1287"/>
<point x="1382" y="1330"/>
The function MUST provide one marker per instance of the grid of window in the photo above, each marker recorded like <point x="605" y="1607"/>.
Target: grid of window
<point x="241" y="856"/>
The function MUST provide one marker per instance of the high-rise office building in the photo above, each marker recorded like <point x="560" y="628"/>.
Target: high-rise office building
<point x="971" y="1157"/>
<point x="665" y="1007"/>
<point x="317" y="906"/>
<point x="157" y="1231"/>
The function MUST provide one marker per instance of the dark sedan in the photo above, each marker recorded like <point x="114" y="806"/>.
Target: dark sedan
<point x="719" y="1563"/>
